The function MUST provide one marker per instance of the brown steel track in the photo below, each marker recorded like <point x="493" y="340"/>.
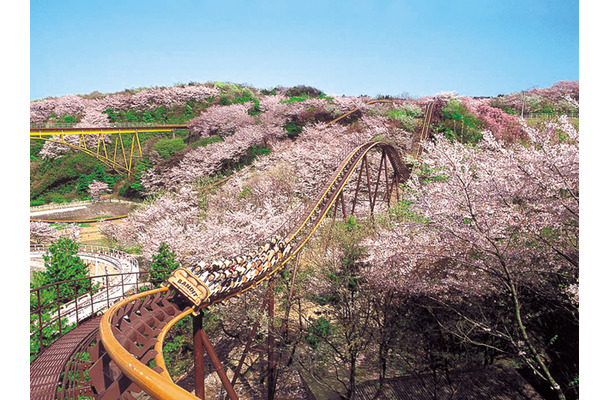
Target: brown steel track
<point x="46" y="369"/>
<point x="127" y="356"/>
<point x="122" y="341"/>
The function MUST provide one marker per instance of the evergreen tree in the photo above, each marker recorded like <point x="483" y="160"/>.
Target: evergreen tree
<point x="163" y="263"/>
<point x="62" y="264"/>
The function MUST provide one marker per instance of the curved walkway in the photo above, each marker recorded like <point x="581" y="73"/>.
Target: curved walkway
<point x="47" y="368"/>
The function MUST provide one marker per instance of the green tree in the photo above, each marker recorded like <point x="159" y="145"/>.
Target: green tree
<point x="163" y="263"/>
<point x="63" y="264"/>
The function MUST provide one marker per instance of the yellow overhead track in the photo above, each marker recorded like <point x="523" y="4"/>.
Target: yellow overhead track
<point x="118" y="154"/>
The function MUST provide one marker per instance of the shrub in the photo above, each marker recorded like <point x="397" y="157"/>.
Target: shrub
<point x="231" y="93"/>
<point x="35" y="147"/>
<point x="259" y="151"/>
<point x="405" y="115"/>
<point x="293" y="128"/>
<point x="303" y="91"/>
<point x="58" y="198"/>
<point x="168" y="147"/>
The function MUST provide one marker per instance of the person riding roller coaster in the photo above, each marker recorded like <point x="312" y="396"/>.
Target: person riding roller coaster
<point x="202" y="280"/>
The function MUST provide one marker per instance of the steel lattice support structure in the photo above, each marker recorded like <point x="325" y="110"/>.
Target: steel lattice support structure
<point x="118" y="154"/>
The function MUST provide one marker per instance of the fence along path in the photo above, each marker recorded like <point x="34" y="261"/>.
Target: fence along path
<point x="112" y="287"/>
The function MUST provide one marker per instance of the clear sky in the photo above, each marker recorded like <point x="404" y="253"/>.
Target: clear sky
<point x="472" y="47"/>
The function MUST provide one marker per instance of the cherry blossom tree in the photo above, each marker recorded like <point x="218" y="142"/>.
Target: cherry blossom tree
<point x="70" y="230"/>
<point x="502" y="125"/>
<point x="490" y="220"/>
<point x="90" y="109"/>
<point x="42" y="232"/>
<point x="221" y="120"/>
<point x="172" y="218"/>
<point x="96" y="189"/>
<point x="40" y="110"/>
<point x="245" y="211"/>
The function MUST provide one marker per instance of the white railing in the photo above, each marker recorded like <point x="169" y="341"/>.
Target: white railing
<point x="54" y="206"/>
<point x="113" y="286"/>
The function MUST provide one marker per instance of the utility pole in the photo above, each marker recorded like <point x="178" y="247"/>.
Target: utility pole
<point x="522" y="103"/>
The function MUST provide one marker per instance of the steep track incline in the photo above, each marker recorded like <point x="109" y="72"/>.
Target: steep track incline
<point x="127" y="357"/>
<point x="125" y="342"/>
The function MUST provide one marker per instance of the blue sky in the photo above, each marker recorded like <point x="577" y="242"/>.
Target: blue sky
<point x="341" y="47"/>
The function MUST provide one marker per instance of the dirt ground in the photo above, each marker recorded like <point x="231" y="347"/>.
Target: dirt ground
<point x="89" y="212"/>
<point x="89" y="232"/>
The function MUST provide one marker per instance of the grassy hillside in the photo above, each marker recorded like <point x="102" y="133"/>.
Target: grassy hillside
<point x="65" y="178"/>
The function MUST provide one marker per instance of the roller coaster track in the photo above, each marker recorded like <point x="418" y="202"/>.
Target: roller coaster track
<point x="126" y="356"/>
<point x="118" y="154"/>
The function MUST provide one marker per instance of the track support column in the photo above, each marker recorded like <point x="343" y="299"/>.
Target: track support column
<point x="209" y="348"/>
<point x="198" y="354"/>
<point x="271" y="338"/>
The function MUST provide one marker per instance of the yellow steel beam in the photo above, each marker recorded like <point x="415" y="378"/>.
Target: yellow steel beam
<point x="156" y="385"/>
<point x="159" y="359"/>
<point x="107" y="130"/>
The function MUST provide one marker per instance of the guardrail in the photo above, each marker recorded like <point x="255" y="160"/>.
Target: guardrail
<point x="54" y="206"/>
<point x="51" y="312"/>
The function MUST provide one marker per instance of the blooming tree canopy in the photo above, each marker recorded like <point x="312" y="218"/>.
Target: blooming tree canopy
<point x="487" y="209"/>
<point x="490" y="220"/>
<point x="42" y="232"/>
<point x="97" y="188"/>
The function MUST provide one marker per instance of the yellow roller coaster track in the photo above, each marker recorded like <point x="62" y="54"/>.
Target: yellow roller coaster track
<point x="128" y="356"/>
<point x="157" y="383"/>
<point x="124" y="143"/>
